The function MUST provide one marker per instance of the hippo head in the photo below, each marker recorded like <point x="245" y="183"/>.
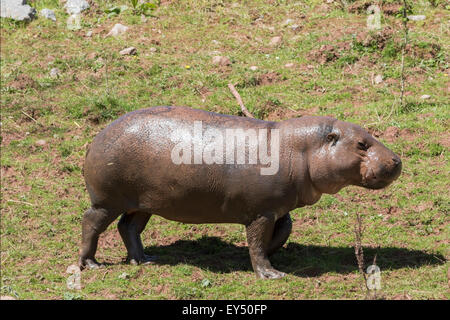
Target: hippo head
<point x="346" y="154"/>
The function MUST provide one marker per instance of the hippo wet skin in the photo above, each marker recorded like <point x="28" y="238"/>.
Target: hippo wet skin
<point x="130" y="172"/>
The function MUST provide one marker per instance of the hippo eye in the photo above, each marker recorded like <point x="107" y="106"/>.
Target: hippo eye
<point x="362" y="146"/>
<point x="332" y="137"/>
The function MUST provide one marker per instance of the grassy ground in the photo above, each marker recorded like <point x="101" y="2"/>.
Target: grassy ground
<point x="335" y="61"/>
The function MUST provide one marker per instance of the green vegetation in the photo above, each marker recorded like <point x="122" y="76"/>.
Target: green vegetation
<point x="47" y="122"/>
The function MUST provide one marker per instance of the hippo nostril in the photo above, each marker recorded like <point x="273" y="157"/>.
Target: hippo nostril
<point x="396" y="161"/>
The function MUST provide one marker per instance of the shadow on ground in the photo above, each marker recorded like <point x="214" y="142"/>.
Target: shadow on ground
<point x="213" y="254"/>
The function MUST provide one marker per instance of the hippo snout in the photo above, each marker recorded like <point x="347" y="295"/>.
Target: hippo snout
<point x="383" y="168"/>
<point x="397" y="166"/>
<point x="392" y="170"/>
<point x="384" y="174"/>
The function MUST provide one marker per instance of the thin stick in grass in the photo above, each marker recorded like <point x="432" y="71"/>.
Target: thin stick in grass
<point x="239" y="100"/>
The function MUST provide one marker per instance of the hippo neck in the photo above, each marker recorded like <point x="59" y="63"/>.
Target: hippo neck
<point x="301" y="137"/>
<point x="300" y="179"/>
<point x="307" y="193"/>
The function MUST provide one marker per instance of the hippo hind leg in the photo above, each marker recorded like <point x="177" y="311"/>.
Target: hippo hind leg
<point x="259" y="237"/>
<point x="130" y="228"/>
<point x="281" y="232"/>
<point x="95" y="221"/>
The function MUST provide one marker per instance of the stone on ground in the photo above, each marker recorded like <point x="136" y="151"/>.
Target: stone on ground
<point x="275" y="41"/>
<point x="221" y="61"/>
<point x="128" y="51"/>
<point x="17" y="9"/>
<point x="117" y="30"/>
<point x="49" y="14"/>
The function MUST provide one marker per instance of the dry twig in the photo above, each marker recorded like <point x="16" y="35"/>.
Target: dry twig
<point x="239" y="100"/>
<point x="359" y="230"/>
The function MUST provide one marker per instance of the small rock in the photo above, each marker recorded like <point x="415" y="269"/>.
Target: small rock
<point x="118" y="29"/>
<point x="41" y="142"/>
<point x="295" y="27"/>
<point x="253" y="68"/>
<point x="89" y="33"/>
<point x="275" y="41"/>
<point x="220" y="60"/>
<point x="378" y="79"/>
<point x="54" y="73"/>
<point x="416" y="18"/>
<point x="425" y="97"/>
<point x="76" y="6"/>
<point x="128" y="51"/>
<point x="17" y="10"/>
<point x="152" y="49"/>
<point x="287" y="22"/>
<point x="124" y="275"/>
<point x="49" y="14"/>
<point x="215" y="42"/>
<point x="206" y="283"/>
<point x="289" y="65"/>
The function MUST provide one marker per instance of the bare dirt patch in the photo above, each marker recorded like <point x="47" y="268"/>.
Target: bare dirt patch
<point x="429" y="52"/>
<point x="326" y="53"/>
<point x="22" y="82"/>
<point x="268" y="78"/>
<point x="7" y="137"/>
<point x="362" y="6"/>
<point x="391" y="134"/>
<point x="378" y="39"/>
<point x="261" y="80"/>
<point x="281" y="114"/>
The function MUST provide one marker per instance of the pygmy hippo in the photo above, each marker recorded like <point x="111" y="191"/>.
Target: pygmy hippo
<point x="195" y="166"/>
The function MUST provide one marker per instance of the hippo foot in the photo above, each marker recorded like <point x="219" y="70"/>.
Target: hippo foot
<point x="143" y="260"/>
<point x="90" y="264"/>
<point x="270" y="274"/>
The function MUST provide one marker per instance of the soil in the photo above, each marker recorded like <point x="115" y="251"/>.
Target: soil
<point x="22" y="82"/>
<point x="268" y="78"/>
<point x="380" y="38"/>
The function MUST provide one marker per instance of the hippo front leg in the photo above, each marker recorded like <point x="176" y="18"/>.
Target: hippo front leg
<point x="259" y="237"/>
